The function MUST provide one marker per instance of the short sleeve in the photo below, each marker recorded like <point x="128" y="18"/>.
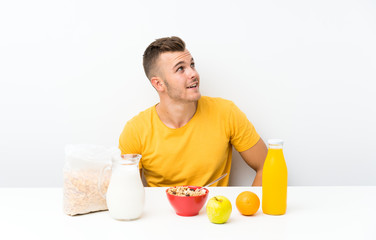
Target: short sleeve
<point x="243" y="134"/>
<point x="129" y="141"/>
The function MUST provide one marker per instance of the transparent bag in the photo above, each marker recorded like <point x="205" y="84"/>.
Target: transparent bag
<point x="83" y="165"/>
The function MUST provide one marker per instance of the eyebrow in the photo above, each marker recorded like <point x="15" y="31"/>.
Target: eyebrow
<point x="181" y="62"/>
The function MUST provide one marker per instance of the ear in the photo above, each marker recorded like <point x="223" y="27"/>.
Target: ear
<point x="157" y="83"/>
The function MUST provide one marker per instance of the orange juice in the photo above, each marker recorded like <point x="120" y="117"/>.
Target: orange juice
<point x="274" y="180"/>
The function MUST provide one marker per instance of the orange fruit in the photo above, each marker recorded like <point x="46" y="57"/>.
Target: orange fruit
<point x="247" y="203"/>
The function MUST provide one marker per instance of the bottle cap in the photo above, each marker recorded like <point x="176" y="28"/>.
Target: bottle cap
<point x="275" y="143"/>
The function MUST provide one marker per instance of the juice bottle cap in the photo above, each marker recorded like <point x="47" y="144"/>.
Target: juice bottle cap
<point x="275" y="142"/>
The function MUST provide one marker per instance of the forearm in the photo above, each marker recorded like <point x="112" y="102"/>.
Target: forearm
<point x="258" y="179"/>
<point x="255" y="158"/>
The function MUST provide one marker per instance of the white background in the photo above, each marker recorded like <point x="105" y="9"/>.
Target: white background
<point x="304" y="71"/>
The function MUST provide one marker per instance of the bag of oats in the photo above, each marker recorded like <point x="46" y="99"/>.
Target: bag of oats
<point x="83" y="166"/>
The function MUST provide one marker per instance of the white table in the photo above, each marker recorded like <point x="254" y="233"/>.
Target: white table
<point x="312" y="213"/>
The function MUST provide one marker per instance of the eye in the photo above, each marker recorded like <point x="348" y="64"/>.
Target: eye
<point x="193" y="65"/>
<point x="180" y="69"/>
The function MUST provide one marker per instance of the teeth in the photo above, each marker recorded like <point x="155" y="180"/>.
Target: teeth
<point x="193" y="86"/>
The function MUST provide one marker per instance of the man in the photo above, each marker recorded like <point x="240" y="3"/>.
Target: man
<point x="187" y="139"/>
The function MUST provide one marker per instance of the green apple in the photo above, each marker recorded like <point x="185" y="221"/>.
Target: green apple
<point x="218" y="209"/>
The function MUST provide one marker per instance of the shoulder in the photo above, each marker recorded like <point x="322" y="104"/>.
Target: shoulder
<point x="142" y="117"/>
<point x="216" y="108"/>
<point x="216" y="102"/>
<point x="139" y="123"/>
<point x="134" y="131"/>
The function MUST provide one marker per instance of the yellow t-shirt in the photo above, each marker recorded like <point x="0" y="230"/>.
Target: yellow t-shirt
<point x="195" y="154"/>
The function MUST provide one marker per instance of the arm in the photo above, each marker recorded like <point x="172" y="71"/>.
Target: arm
<point x="255" y="157"/>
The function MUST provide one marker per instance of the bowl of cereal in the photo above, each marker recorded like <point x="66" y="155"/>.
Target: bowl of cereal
<point x="187" y="200"/>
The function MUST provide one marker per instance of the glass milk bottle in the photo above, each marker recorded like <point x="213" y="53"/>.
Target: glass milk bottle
<point x="274" y="180"/>
<point x="125" y="194"/>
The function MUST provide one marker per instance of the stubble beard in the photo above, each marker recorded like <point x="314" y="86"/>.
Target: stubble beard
<point x="176" y="96"/>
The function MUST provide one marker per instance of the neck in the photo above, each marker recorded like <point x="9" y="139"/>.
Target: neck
<point x="176" y="115"/>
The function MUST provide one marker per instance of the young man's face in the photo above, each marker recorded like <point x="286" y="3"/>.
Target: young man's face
<point x="181" y="80"/>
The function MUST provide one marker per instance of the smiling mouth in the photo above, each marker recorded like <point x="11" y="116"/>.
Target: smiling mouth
<point x="194" y="85"/>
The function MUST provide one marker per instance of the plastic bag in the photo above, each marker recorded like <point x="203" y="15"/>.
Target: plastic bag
<point x="83" y="165"/>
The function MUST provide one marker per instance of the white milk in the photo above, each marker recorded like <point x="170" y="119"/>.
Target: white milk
<point x="125" y="194"/>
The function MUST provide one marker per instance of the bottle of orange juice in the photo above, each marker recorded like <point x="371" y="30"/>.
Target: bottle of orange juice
<point x="274" y="180"/>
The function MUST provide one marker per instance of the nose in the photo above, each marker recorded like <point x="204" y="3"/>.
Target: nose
<point x="192" y="73"/>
